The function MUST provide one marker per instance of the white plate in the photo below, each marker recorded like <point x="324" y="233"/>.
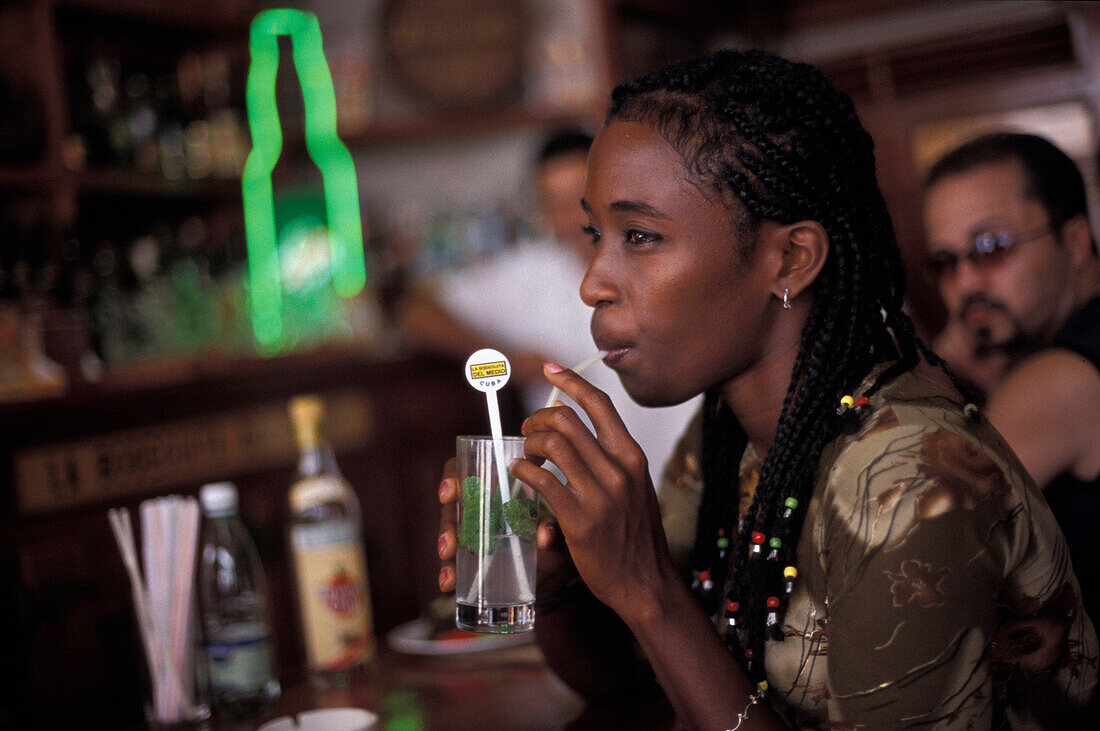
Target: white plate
<point x="412" y="638"/>
<point x="325" y="719"/>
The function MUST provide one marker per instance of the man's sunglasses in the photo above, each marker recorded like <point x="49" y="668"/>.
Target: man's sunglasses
<point x="987" y="251"/>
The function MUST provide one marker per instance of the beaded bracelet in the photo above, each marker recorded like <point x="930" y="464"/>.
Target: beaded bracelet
<point x="756" y="697"/>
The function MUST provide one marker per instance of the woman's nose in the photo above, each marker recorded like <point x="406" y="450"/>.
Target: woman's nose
<point x="598" y="285"/>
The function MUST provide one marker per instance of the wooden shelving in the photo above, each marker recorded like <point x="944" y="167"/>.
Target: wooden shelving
<point x="150" y="185"/>
<point x="467" y="123"/>
<point x="197" y="14"/>
<point x="38" y="178"/>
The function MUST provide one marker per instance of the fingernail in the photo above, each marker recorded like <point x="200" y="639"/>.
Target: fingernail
<point x="444" y="489"/>
<point x="444" y="576"/>
<point x="523" y="427"/>
<point x="442" y="544"/>
<point x="552" y="367"/>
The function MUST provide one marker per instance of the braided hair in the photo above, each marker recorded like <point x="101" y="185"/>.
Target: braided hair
<point x="776" y="137"/>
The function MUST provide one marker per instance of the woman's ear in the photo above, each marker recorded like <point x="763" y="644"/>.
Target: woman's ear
<point x="803" y="248"/>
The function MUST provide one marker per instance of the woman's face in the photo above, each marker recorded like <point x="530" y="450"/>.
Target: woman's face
<point x="675" y="305"/>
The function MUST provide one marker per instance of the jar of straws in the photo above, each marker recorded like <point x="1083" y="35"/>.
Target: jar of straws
<point x="162" y="585"/>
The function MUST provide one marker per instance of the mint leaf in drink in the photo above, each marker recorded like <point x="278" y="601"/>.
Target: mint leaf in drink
<point x="522" y="515"/>
<point x="469" y="528"/>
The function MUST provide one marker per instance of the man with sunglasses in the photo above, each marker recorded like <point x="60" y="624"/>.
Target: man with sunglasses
<point x="1012" y="254"/>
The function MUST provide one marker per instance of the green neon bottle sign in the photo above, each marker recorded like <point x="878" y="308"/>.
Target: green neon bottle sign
<point x="345" y="232"/>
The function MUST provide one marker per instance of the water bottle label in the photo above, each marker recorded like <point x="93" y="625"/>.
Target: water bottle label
<point x="239" y="660"/>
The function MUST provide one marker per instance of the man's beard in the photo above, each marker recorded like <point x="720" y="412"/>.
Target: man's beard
<point x="984" y="344"/>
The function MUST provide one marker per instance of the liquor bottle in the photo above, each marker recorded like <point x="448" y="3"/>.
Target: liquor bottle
<point x="233" y="602"/>
<point x="326" y="544"/>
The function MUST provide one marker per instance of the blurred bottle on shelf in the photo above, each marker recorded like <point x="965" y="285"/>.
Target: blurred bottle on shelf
<point x="329" y="562"/>
<point x="180" y="119"/>
<point x="94" y="105"/>
<point x="141" y="123"/>
<point x="233" y="607"/>
<point x="27" y="283"/>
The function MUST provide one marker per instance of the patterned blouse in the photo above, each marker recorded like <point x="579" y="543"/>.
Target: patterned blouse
<point x="934" y="587"/>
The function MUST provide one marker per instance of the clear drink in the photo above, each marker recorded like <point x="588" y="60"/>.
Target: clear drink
<point x="495" y="560"/>
<point x="508" y="578"/>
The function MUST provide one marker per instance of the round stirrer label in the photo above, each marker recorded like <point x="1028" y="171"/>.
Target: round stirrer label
<point x="487" y="370"/>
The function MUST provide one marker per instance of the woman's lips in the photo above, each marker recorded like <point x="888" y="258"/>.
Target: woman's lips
<point x="615" y="351"/>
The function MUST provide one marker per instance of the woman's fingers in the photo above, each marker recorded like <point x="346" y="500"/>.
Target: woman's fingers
<point x="448" y="515"/>
<point x="611" y="433"/>
<point x="593" y="401"/>
<point x="541" y="481"/>
<point x="447" y="579"/>
<point x="448" y="509"/>
<point x="546" y="536"/>
<point x="558" y="435"/>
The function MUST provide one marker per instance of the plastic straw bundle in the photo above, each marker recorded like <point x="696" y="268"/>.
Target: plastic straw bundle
<point x="163" y="600"/>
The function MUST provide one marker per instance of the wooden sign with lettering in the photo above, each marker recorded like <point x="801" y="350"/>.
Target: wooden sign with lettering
<point x="176" y="455"/>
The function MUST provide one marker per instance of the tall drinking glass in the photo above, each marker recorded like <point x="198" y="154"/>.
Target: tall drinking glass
<point x="495" y="561"/>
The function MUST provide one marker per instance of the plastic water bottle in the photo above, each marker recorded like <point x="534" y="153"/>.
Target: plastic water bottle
<point x="233" y="602"/>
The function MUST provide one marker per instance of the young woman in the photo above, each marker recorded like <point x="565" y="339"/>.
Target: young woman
<point x="839" y="539"/>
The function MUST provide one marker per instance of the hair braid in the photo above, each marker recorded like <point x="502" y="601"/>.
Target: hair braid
<point x="777" y="142"/>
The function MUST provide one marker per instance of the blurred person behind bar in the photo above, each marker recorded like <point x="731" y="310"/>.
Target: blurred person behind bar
<point x="525" y="302"/>
<point x="1014" y="259"/>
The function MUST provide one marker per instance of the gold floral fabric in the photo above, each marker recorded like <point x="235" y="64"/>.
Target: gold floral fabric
<point x="934" y="589"/>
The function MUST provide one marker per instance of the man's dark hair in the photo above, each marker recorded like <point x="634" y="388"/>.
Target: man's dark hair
<point x="1052" y="178"/>
<point x="564" y="142"/>
<point x="775" y="139"/>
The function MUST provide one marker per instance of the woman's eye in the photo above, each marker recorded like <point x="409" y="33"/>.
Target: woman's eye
<point x="591" y="232"/>
<point x="634" y="237"/>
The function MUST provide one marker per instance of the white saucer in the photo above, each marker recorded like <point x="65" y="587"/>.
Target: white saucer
<point x="413" y="638"/>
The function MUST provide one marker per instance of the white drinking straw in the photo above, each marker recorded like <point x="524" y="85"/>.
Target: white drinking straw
<point x="164" y="674"/>
<point x="186" y="526"/>
<point x="124" y="537"/>
<point x="576" y="369"/>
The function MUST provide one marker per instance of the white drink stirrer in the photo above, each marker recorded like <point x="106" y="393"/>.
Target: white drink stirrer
<point x="487" y="370"/>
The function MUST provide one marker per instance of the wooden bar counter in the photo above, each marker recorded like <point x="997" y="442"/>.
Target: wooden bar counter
<point x="509" y="688"/>
<point x="499" y="689"/>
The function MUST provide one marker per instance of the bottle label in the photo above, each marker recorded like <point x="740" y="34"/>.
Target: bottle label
<point x="332" y="594"/>
<point x="316" y="491"/>
<point x="239" y="659"/>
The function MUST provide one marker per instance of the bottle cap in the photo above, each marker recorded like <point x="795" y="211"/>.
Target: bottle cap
<point x="306" y="412"/>
<point x="218" y="498"/>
